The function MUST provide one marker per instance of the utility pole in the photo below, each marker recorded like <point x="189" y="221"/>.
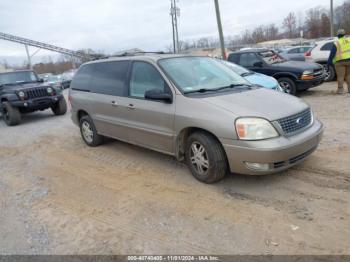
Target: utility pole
<point x="172" y="24"/>
<point x="332" y="19"/>
<point x="175" y="12"/>
<point x="221" y="34"/>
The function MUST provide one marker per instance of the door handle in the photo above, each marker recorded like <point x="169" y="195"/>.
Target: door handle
<point x="114" y="103"/>
<point x="131" y="106"/>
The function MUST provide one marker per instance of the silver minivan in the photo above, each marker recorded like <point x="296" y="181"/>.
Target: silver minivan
<point x="196" y="109"/>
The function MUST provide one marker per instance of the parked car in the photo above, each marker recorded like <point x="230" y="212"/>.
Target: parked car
<point x="22" y="92"/>
<point x="292" y="76"/>
<point x="193" y="108"/>
<point x="44" y="76"/>
<point x="296" y="53"/>
<point x="254" y="78"/>
<point x="57" y="81"/>
<point x="320" y="54"/>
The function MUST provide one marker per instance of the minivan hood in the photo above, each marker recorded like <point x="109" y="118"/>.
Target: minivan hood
<point x="261" y="102"/>
<point x="293" y="65"/>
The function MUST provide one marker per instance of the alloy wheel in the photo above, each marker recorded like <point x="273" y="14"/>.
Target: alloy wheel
<point x="286" y="87"/>
<point x="87" y="132"/>
<point x="327" y="73"/>
<point x="199" y="158"/>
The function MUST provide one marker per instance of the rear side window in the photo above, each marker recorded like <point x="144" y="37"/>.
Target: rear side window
<point x="145" y="77"/>
<point x="327" y="46"/>
<point x="81" y="80"/>
<point x="110" y="78"/>
<point x="248" y="59"/>
<point x="305" y="49"/>
<point x="294" y="51"/>
<point x="233" y="58"/>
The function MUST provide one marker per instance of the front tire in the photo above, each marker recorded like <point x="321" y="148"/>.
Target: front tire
<point x="206" y="158"/>
<point x="10" y="114"/>
<point x="60" y="108"/>
<point x="330" y="73"/>
<point x="288" y="85"/>
<point x="89" y="133"/>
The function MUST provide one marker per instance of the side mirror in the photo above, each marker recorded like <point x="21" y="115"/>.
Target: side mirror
<point x="41" y="80"/>
<point x="158" y="95"/>
<point x="258" y="64"/>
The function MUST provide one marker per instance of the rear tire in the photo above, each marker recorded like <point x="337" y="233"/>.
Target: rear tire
<point x="10" y="114"/>
<point x="206" y="158"/>
<point x="60" y="108"/>
<point x="89" y="133"/>
<point x="288" y="85"/>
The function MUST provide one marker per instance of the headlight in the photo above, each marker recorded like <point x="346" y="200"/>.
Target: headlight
<point x="21" y="94"/>
<point x="307" y="75"/>
<point x="49" y="90"/>
<point x="254" y="129"/>
<point x="308" y="72"/>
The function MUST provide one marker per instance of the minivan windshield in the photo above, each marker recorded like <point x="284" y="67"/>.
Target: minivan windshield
<point x="237" y="69"/>
<point x="17" y="77"/>
<point x="200" y="74"/>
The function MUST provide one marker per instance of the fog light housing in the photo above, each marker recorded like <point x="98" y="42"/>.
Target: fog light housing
<point x="257" y="166"/>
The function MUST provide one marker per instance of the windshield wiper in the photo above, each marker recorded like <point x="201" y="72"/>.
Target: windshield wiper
<point x="233" y="86"/>
<point x="202" y="90"/>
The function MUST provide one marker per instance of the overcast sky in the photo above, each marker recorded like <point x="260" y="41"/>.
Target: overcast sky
<point x="114" y="25"/>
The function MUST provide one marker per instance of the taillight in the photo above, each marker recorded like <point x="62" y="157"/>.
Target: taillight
<point x="308" y="53"/>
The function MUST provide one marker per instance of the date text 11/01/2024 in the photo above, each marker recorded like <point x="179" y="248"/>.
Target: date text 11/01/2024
<point x="172" y="258"/>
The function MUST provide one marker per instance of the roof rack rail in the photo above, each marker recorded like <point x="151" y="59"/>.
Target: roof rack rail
<point x="132" y="54"/>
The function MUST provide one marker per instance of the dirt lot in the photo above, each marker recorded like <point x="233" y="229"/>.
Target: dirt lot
<point x="58" y="196"/>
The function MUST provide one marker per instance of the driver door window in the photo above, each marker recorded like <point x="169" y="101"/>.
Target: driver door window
<point x="248" y="59"/>
<point x="145" y="77"/>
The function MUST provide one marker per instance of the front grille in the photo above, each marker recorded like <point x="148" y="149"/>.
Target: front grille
<point x="294" y="123"/>
<point x="293" y="160"/>
<point x="278" y="164"/>
<point x="37" y="92"/>
<point x="301" y="157"/>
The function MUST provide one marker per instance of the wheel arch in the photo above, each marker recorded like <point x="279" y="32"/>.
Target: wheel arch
<point x="81" y="113"/>
<point x="181" y="139"/>
<point x="288" y="75"/>
<point x="3" y="99"/>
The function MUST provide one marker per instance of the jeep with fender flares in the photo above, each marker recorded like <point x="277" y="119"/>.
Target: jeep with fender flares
<point x="23" y="92"/>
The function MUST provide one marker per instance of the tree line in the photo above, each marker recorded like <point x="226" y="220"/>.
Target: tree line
<point x="314" y="23"/>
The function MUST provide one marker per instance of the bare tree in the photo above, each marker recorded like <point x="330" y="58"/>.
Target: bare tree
<point x="325" y="28"/>
<point x="313" y="22"/>
<point x="342" y="16"/>
<point x="289" y="23"/>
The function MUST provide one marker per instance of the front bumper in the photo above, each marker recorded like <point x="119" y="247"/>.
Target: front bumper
<point x="279" y="153"/>
<point x="306" y="84"/>
<point x="37" y="103"/>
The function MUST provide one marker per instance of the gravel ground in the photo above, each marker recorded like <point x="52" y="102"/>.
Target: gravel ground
<point x="58" y="196"/>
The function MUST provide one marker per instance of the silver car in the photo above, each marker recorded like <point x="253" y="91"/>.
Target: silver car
<point x="193" y="108"/>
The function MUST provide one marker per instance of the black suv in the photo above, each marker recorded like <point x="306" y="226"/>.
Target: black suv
<point x="23" y="92"/>
<point x="293" y="76"/>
